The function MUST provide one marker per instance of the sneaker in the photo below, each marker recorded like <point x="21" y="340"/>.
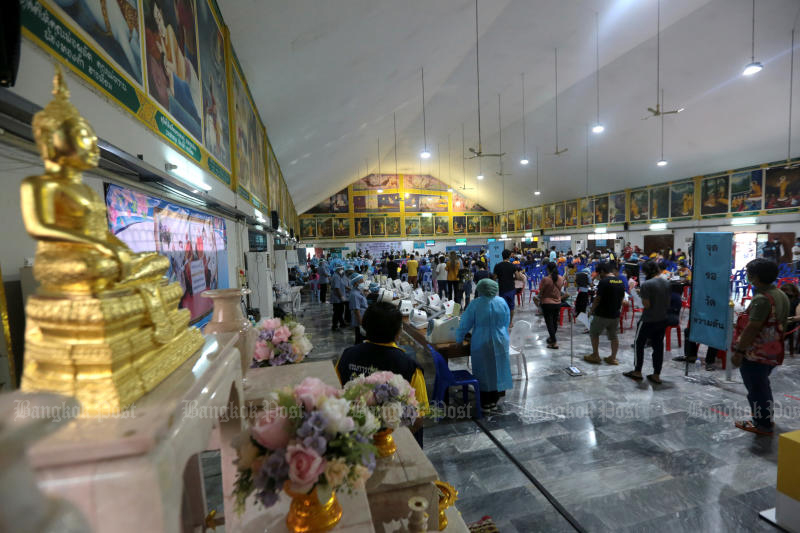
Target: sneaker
<point x="611" y="360"/>
<point x="710" y="367"/>
<point x="684" y="358"/>
<point x="592" y="358"/>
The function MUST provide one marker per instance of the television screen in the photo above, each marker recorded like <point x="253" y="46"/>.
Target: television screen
<point x="194" y="242"/>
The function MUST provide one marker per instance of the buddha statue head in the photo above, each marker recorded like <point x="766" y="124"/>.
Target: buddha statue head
<point x="65" y="139"/>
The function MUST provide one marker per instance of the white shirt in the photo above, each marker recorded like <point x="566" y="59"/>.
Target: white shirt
<point x="441" y="272"/>
<point x="796" y="252"/>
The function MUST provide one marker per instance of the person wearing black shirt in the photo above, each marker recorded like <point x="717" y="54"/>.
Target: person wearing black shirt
<point x="383" y="322"/>
<point x="606" y="308"/>
<point x="391" y="267"/>
<point x="505" y="279"/>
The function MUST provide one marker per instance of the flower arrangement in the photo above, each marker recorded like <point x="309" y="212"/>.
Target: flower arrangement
<point x="309" y="436"/>
<point x="280" y="342"/>
<point x="391" y="398"/>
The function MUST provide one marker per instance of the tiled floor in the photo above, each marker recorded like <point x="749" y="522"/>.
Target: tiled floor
<point x="618" y="455"/>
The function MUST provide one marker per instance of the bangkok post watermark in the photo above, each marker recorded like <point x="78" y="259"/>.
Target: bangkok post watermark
<point x="65" y="411"/>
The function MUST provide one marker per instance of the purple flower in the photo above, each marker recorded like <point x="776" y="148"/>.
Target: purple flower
<point x="265" y="335"/>
<point x="312" y="426"/>
<point x="385" y="393"/>
<point x="409" y="415"/>
<point x="274" y="471"/>
<point x="267" y="497"/>
<point x="279" y="359"/>
<point x="316" y="443"/>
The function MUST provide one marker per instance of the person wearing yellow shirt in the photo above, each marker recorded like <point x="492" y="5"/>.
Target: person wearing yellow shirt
<point x="383" y="323"/>
<point x="413" y="268"/>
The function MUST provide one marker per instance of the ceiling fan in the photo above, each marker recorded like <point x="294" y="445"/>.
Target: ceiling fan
<point x="479" y="151"/>
<point x="657" y="111"/>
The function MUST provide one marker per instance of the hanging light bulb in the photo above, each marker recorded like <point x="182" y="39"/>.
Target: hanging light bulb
<point x="380" y="191"/>
<point x="524" y="161"/>
<point x="425" y="154"/>
<point x="480" y="176"/>
<point x="598" y="128"/>
<point x="662" y="162"/>
<point x="754" y="67"/>
<point x="537" y="193"/>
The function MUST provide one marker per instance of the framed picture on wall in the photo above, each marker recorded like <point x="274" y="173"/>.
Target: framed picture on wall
<point x="362" y="227"/>
<point x="782" y="188"/>
<point x="308" y="228"/>
<point x="681" y="199"/>
<point x="442" y="225"/>
<point x="548" y="215"/>
<point x="601" y="209"/>
<point x="341" y="227"/>
<point x="474" y="223"/>
<point x="504" y="223"/>
<point x="487" y="224"/>
<point x="412" y="226"/>
<point x="378" y="227"/>
<point x="537" y="218"/>
<point x="512" y="223"/>
<point x="659" y="202"/>
<point x="325" y="228"/>
<point x="571" y="213"/>
<point x="587" y="211"/>
<point x="529" y="219"/>
<point x="747" y="191"/>
<point x="640" y="205"/>
<point x="393" y="227"/>
<point x="460" y="225"/>
<point x="426" y="225"/>
<point x="714" y="194"/>
<point x="519" y="216"/>
<point x="616" y="207"/>
<point x="559" y="218"/>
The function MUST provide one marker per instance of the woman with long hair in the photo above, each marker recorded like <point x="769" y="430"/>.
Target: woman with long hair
<point x="550" y="289"/>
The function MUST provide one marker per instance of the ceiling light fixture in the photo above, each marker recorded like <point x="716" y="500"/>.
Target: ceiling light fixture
<point x="598" y="127"/>
<point x="524" y="160"/>
<point x="380" y="191"/>
<point x="754" y="67"/>
<point x="537" y="192"/>
<point x="557" y="152"/>
<point x="424" y="154"/>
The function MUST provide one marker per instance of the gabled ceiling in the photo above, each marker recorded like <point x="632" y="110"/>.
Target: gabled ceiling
<point x="328" y="75"/>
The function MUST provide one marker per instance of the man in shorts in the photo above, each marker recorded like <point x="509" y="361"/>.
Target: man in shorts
<point x="605" y="310"/>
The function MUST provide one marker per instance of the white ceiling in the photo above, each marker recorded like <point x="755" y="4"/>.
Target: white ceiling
<point x="327" y="76"/>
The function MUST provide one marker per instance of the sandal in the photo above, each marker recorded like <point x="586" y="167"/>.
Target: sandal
<point x="592" y="358"/>
<point x="633" y="375"/>
<point x="747" y="425"/>
<point x="654" y="379"/>
<point x="611" y="360"/>
<point x="553" y="346"/>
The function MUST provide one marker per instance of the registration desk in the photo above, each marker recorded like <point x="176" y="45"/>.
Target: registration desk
<point x="449" y="351"/>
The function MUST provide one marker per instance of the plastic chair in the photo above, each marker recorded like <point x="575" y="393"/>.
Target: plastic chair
<point x="519" y="335"/>
<point x="571" y="315"/>
<point x="446" y="378"/>
<point x="668" y="336"/>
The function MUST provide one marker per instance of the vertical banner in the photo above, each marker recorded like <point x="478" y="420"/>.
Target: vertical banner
<point x="709" y="317"/>
<point x="495" y="254"/>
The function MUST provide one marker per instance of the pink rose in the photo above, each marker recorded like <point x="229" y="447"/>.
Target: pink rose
<point x="281" y="334"/>
<point x="272" y="323"/>
<point x="310" y="390"/>
<point x="271" y="430"/>
<point x="376" y="378"/>
<point x="262" y="352"/>
<point x="305" y="466"/>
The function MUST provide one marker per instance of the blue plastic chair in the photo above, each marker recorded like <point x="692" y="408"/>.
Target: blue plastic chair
<point x="427" y="284"/>
<point x="446" y="378"/>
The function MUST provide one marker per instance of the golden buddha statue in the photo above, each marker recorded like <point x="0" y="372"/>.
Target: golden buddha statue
<point x="104" y="324"/>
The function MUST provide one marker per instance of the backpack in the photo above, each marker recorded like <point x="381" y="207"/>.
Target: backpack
<point x="768" y="346"/>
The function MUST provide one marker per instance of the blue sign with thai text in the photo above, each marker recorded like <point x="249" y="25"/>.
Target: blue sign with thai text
<point x="709" y="319"/>
<point x="495" y="253"/>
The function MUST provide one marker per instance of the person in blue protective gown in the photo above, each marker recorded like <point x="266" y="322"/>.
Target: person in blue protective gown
<point x="488" y="316"/>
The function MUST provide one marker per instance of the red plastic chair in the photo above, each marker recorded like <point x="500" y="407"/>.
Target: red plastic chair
<point x="633" y="314"/>
<point x="561" y="315"/>
<point x="668" y="336"/>
<point x="530" y="296"/>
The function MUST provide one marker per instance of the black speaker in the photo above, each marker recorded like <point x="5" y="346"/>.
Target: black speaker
<point x="291" y="233"/>
<point x="541" y="232"/>
<point x="625" y="226"/>
<point x="9" y="43"/>
<point x="275" y="221"/>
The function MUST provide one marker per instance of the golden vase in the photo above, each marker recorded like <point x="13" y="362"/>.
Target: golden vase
<point x="308" y="515"/>
<point x="384" y="441"/>
<point x="447" y="497"/>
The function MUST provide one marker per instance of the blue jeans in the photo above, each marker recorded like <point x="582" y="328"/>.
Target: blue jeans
<point x="759" y="392"/>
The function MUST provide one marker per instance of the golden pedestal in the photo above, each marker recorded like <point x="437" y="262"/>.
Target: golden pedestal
<point x="102" y="349"/>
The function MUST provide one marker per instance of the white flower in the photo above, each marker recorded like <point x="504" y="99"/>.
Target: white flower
<point x="336" y="472"/>
<point x="403" y="387"/>
<point x="298" y="330"/>
<point x="304" y="345"/>
<point x="371" y="423"/>
<point x="390" y="414"/>
<point x="336" y="414"/>
<point x="359" y="474"/>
